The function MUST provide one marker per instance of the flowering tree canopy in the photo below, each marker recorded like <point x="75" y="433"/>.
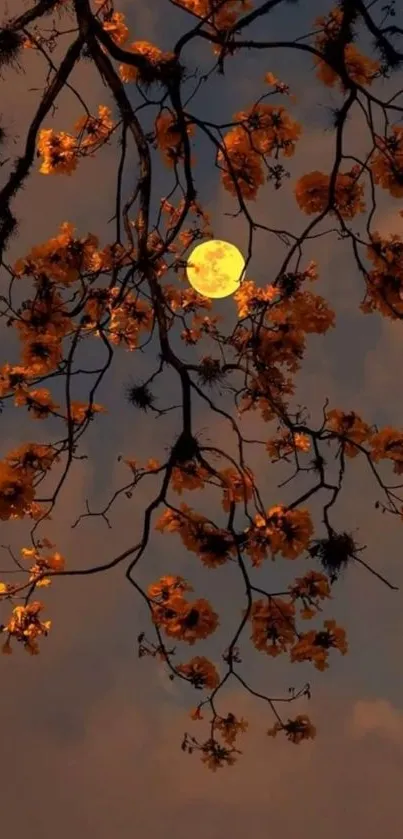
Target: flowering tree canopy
<point x="131" y="296"/>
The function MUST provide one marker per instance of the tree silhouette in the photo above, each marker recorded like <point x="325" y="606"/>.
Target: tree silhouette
<point x="133" y="291"/>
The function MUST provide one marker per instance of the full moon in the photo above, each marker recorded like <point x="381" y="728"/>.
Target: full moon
<point x="215" y="268"/>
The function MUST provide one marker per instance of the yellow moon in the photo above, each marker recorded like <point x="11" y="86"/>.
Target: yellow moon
<point x="215" y="268"/>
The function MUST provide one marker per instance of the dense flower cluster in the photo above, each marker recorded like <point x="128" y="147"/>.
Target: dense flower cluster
<point x="263" y="130"/>
<point x="313" y="194"/>
<point x="180" y="619"/>
<point x="360" y="69"/>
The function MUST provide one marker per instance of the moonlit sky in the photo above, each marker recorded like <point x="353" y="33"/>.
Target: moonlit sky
<point x="91" y="735"/>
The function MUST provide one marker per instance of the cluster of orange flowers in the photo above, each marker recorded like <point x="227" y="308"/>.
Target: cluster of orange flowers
<point x="128" y="319"/>
<point x="310" y="589"/>
<point x="220" y="16"/>
<point x="229" y="727"/>
<point x="241" y="167"/>
<point x="39" y="401"/>
<point x="387" y="163"/>
<point x="61" y="151"/>
<point x="361" y="69"/>
<point x="265" y="130"/>
<point x="189" y="475"/>
<point x="385" y="281"/>
<point x="283" y="342"/>
<point x="26" y="626"/>
<point x="270" y="128"/>
<point x="388" y="444"/>
<point x="296" y="730"/>
<point x="250" y="297"/>
<point x="169" y="138"/>
<point x="274" y="631"/>
<point x="279" y="86"/>
<point x="215" y="755"/>
<point x="16" y="492"/>
<point x="273" y="628"/>
<point x="44" y="316"/>
<point x="312" y="192"/>
<point x="42" y="562"/>
<point x="114" y="25"/>
<point x="33" y="458"/>
<point x="284" y="531"/>
<point x="202" y="225"/>
<point x="200" y="326"/>
<point x="43" y="322"/>
<point x="286" y="443"/>
<point x="213" y="545"/>
<point x="18" y="474"/>
<point x="289" y="314"/>
<point x="42" y="325"/>
<point x="350" y="425"/>
<point x="314" y="646"/>
<point x="62" y="258"/>
<point x="159" y="62"/>
<point x="167" y="587"/>
<point x="186" y="299"/>
<point x="12" y="378"/>
<point x="176" y="616"/>
<point x="304" y="312"/>
<point x="285" y="303"/>
<point x="152" y="465"/>
<point x="200" y="672"/>
<point x="236" y="487"/>
<point x="267" y="393"/>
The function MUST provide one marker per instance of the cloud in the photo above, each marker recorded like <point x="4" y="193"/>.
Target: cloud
<point x="127" y="774"/>
<point x="377" y="717"/>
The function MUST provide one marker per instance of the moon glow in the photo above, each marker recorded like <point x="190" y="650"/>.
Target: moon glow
<point x="215" y="268"/>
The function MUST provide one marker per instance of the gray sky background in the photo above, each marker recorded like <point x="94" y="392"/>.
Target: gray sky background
<point x="91" y="735"/>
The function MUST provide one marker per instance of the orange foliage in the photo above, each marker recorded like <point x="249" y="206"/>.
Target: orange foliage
<point x="220" y="17"/>
<point x="387" y="162"/>
<point x="156" y="57"/>
<point x="310" y="589"/>
<point x="360" y="69"/>
<point x="312" y="192"/>
<point x="283" y="531"/>
<point x="388" y="444"/>
<point x="314" y="646"/>
<point x="200" y="672"/>
<point x="26" y="626"/>
<point x="185" y="621"/>
<point x="351" y="426"/>
<point x="296" y="730"/>
<point x="265" y="130"/>
<point x="169" y="138"/>
<point x="273" y="630"/>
